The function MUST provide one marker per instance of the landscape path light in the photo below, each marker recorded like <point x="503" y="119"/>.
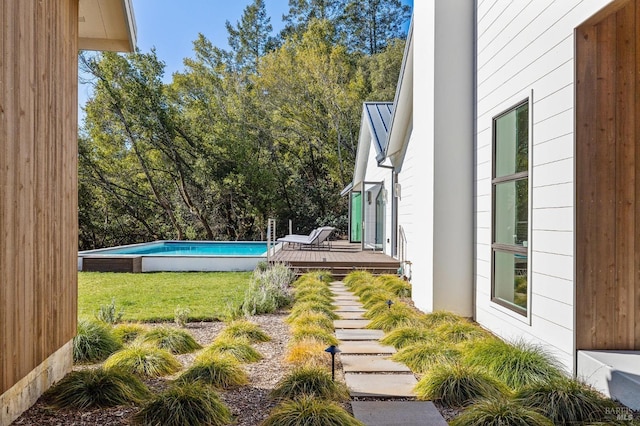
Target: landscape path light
<point x="389" y="303"/>
<point x="333" y="350"/>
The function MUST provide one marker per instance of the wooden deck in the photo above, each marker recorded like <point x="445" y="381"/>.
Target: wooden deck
<point x="341" y="257"/>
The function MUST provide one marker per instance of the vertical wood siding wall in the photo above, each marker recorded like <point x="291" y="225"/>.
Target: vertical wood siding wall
<point x="608" y="181"/>
<point x="38" y="196"/>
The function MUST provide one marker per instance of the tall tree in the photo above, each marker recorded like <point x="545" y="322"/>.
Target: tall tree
<point x="369" y="24"/>
<point x="250" y="38"/>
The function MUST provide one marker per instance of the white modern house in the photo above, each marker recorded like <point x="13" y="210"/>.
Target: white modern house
<point x="513" y="145"/>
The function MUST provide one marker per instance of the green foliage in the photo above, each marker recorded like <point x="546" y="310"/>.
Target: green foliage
<point x="93" y="342"/>
<point x="97" y="388"/>
<point x="356" y="279"/>
<point x="500" y="412"/>
<point x="321" y="275"/>
<point x="313" y="297"/>
<point x="308" y="319"/>
<point x="172" y="339"/>
<point x="240" y="349"/>
<point x="109" y="313"/>
<point x="245" y="329"/>
<point x="462" y="331"/>
<point x="518" y="364"/>
<point x="394" y="318"/>
<point x="309" y="411"/>
<point x="314" y="332"/>
<point x="420" y="357"/>
<point x="567" y="401"/>
<point x="308" y="352"/>
<point x="382" y="309"/>
<point x="143" y="361"/>
<point x="218" y="370"/>
<point x="181" y="316"/>
<point x="309" y="381"/>
<point x="317" y="307"/>
<point x="405" y="336"/>
<point x="128" y="332"/>
<point x="437" y="318"/>
<point x="395" y="285"/>
<point x="187" y="404"/>
<point x="268" y="290"/>
<point x="206" y="293"/>
<point x="456" y="384"/>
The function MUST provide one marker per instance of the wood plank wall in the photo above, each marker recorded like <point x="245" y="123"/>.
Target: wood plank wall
<point x="608" y="180"/>
<point x="38" y="182"/>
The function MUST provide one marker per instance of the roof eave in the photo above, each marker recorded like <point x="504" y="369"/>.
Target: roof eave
<point x="106" y="25"/>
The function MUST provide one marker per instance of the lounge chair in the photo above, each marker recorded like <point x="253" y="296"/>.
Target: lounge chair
<point x="317" y="237"/>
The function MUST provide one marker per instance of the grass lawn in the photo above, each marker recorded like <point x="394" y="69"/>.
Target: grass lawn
<point x="155" y="296"/>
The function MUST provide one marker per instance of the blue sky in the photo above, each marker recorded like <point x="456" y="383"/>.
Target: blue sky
<point x="171" y="26"/>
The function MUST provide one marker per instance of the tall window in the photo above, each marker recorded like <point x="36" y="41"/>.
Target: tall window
<point x="511" y="208"/>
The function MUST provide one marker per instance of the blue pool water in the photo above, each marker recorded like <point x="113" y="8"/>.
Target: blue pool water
<point x="191" y="248"/>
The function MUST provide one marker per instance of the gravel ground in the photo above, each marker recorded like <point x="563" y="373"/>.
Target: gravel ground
<point x="249" y="404"/>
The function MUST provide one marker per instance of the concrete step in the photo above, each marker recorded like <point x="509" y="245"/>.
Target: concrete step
<point x="351" y="315"/>
<point x="380" y="385"/>
<point x="371" y="364"/>
<point x="351" y="323"/>
<point x="359" y="309"/>
<point x="365" y="347"/>
<point x="345" y="298"/>
<point x="614" y="373"/>
<point x="359" y="334"/>
<point x="397" y="413"/>
<point x="343" y="303"/>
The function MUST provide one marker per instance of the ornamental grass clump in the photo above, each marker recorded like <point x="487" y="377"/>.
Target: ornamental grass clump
<point x="143" y="361"/>
<point x="420" y="357"/>
<point x="356" y="279"/>
<point x="500" y="412"/>
<point x="94" y="342"/>
<point x="456" y="384"/>
<point x="97" y="388"/>
<point x="377" y="298"/>
<point x="245" y="329"/>
<point x="311" y="319"/>
<point x="218" y="370"/>
<point x="309" y="411"/>
<point x="382" y="308"/>
<point x="458" y="332"/>
<point x="567" y="401"/>
<point x="308" y="352"/>
<point x="405" y="336"/>
<point x="394" y="318"/>
<point x="519" y="364"/>
<point x="314" y="298"/>
<point x="309" y="381"/>
<point x="395" y="285"/>
<point x="316" y="288"/>
<point x="128" y="332"/>
<point x="187" y="404"/>
<point x="238" y="348"/>
<point x="314" y="332"/>
<point x="436" y="318"/>
<point x="174" y="340"/>
<point x="317" y="307"/>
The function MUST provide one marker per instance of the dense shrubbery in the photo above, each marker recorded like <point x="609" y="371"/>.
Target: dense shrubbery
<point x="268" y="290"/>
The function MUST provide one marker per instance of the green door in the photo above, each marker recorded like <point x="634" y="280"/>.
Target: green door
<point x="356" y="217"/>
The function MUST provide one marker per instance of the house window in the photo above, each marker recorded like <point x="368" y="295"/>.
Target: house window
<point x="511" y="208"/>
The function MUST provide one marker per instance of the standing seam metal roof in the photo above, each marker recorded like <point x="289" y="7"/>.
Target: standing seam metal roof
<point x="379" y="116"/>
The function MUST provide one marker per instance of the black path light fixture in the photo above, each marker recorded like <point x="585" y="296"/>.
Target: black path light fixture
<point x="333" y="350"/>
<point x="389" y="303"/>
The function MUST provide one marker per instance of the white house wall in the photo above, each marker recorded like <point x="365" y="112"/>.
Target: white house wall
<point x="526" y="49"/>
<point x="436" y="210"/>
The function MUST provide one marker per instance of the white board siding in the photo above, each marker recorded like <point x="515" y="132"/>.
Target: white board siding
<point x="524" y="47"/>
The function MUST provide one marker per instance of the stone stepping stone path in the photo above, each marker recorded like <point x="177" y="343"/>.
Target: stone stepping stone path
<point x="370" y="373"/>
<point x="397" y="413"/>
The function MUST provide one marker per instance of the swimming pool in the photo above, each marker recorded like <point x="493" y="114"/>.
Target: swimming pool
<point x="175" y="256"/>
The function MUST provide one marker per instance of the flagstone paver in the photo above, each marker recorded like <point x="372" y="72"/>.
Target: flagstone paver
<point x="359" y="334"/>
<point x="351" y="323"/>
<point x="371" y="364"/>
<point x="381" y="385"/>
<point x="365" y="347"/>
<point x="350" y="315"/>
<point x="397" y="413"/>
<point x="350" y="309"/>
